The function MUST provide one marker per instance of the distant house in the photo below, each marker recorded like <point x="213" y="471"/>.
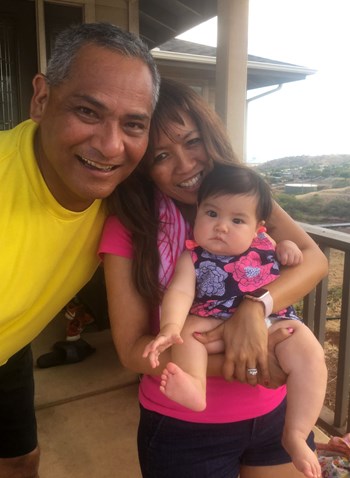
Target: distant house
<point x="300" y="188"/>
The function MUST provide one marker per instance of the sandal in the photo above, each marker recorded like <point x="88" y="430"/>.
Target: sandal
<point x="64" y="353"/>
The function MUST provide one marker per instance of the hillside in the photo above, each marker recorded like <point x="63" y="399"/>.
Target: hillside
<point x="327" y="194"/>
<point x="329" y="203"/>
<point x="305" y="162"/>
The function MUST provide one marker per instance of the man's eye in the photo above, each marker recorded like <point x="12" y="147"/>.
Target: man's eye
<point x="82" y="110"/>
<point x="136" y="126"/>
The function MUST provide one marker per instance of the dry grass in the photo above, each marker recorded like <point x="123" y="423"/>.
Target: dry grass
<point x="327" y="194"/>
<point x="336" y="264"/>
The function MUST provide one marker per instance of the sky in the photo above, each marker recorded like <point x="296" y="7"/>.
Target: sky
<point x="308" y="117"/>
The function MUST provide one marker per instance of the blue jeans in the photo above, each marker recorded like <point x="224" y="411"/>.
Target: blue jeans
<point x="171" y="448"/>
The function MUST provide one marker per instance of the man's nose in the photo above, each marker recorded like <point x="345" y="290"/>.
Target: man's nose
<point x="109" y="140"/>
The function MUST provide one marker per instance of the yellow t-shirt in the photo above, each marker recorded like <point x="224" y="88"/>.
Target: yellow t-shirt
<point x="47" y="253"/>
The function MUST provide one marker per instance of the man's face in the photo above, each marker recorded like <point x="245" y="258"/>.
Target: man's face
<point x="93" y="128"/>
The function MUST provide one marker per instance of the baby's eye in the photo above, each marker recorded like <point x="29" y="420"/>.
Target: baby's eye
<point x="211" y="213"/>
<point x="236" y="220"/>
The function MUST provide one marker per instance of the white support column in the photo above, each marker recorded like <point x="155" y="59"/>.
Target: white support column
<point x="231" y="69"/>
<point x="89" y="11"/>
<point x="133" y="16"/>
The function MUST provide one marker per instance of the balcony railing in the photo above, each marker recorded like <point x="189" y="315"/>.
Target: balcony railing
<point x="335" y="422"/>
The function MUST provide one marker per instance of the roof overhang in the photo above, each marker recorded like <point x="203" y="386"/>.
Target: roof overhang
<point x="260" y="73"/>
<point x="161" y="20"/>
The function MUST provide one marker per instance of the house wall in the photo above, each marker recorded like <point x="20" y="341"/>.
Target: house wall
<point x="113" y="11"/>
<point x="199" y="76"/>
<point x="22" y="15"/>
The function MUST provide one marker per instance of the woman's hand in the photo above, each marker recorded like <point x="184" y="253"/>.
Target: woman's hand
<point x="277" y="376"/>
<point x="235" y="365"/>
<point x="245" y="339"/>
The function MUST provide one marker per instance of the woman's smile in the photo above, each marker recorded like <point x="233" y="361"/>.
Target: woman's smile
<point x="192" y="183"/>
<point x="180" y="161"/>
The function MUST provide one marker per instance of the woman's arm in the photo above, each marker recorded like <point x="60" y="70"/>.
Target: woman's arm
<point x="295" y="282"/>
<point x="245" y="334"/>
<point x="129" y="317"/>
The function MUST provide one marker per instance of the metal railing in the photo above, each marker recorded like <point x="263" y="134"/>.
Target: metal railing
<point x="335" y="422"/>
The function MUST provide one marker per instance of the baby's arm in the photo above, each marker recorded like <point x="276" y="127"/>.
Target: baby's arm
<point x="288" y="253"/>
<point x="175" y="307"/>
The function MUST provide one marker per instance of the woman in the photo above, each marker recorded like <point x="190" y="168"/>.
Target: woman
<point x="240" y="430"/>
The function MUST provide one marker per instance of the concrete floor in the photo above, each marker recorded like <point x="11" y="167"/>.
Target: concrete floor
<point x="88" y="412"/>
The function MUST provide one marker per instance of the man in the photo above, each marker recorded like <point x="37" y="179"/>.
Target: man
<point x="88" y="130"/>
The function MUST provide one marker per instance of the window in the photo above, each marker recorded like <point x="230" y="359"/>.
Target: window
<point x="8" y="76"/>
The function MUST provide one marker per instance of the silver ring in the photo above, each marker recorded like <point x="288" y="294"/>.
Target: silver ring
<point x="252" y="371"/>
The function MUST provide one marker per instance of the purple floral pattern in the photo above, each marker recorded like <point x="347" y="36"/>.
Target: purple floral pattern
<point x="222" y="281"/>
<point x="210" y="279"/>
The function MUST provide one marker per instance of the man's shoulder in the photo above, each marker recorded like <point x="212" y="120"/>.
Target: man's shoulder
<point x="11" y="139"/>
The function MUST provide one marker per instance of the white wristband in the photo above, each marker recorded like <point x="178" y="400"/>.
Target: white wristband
<point x="264" y="296"/>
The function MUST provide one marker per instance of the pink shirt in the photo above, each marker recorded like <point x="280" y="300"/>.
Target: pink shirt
<point x="226" y="401"/>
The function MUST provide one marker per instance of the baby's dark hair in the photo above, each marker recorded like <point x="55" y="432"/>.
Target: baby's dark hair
<point x="238" y="179"/>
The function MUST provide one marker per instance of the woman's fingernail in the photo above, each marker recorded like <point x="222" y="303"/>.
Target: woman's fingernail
<point x="198" y="333"/>
<point x="290" y="330"/>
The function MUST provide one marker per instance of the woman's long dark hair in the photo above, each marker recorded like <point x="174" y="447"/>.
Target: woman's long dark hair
<point x="133" y="200"/>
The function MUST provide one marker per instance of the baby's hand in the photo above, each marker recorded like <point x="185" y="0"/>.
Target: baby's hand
<point x="158" y="345"/>
<point x="288" y="253"/>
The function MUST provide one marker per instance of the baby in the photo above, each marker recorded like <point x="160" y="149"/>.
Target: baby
<point x="231" y="260"/>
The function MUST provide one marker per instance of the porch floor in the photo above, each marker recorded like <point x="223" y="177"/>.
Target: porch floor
<point x="88" y="412"/>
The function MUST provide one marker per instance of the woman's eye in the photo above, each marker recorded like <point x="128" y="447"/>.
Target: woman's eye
<point x="194" y="141"/>
<point x="160" y="157"/>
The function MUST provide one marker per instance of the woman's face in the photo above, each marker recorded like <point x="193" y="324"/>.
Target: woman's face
<point x="180" y="163"/>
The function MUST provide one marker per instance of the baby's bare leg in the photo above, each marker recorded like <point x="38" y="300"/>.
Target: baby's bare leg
<point x="302" y="359"/>
<point x="184" y="379"/>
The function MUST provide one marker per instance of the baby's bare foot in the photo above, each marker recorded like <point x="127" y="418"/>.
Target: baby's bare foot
<point x="304" y="459"/>
<point x="183" y="388"/>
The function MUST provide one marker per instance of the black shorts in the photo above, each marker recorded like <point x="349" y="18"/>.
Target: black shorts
<point x="17" y="416"/>
<point x="171" y="448"/>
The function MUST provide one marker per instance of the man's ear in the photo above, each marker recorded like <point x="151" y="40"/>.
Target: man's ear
<point x="40" y="97"/>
